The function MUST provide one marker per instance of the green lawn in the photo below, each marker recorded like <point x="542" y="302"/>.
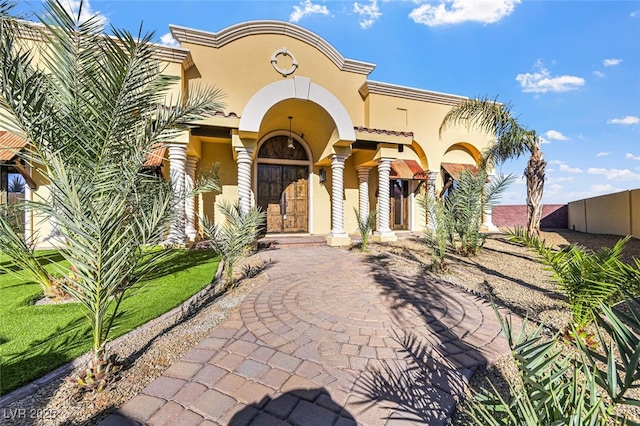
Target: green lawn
<point x="36" y="339"/>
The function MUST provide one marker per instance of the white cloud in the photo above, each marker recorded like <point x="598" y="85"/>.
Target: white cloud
<point x="631" y="156"/>
<point x="629" y="119"/>
<point x="634" y="14"/>
<point x="542" y="81"/>
<point x="560" y="179"/>
<point x="73" y="6"/>
<point x="307" y="8"/>
<point x="555" y="135"/>
<point x="459" y="11"/>
<point x="599" y="74"/>
<point x="604" y="188"/>
<point x="564" y="168"/>
<point x="602" y="154"/>
<point x="621" y="174"/>
<point x="369" y="13"/>
<point x="611" y="62"/>
<point x="168" y="40"/>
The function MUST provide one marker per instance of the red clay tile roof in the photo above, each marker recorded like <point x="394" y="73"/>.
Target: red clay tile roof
<point x="454" y="169"/>
<point x="10" y="145"/>
<point x="384" y="132"/>
<point x="407" y="169"/>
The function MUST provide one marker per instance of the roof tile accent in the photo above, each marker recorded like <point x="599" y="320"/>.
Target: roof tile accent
<point x="10" y="145"/>
<point x="383" y="132"/>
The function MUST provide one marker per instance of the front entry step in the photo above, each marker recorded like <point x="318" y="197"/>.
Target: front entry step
<point x="276" y="241"/>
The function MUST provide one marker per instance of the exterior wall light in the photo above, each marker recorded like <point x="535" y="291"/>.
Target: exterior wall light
<point x="322" y="176"/>
<point x="290" y="144"/>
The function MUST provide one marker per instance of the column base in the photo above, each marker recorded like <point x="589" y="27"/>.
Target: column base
<point x="384" y="237"/>
<point x="337" y="240"/>
<point x="489" y="228"/>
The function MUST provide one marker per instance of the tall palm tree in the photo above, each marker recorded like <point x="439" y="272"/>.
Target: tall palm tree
<point x="512" y="140"/>
<point x="92" y="109"/>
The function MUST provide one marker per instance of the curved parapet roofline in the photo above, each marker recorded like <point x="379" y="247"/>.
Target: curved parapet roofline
<point x="244" y="29"/>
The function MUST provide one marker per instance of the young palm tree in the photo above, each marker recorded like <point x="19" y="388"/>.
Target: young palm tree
<point x="92" y="109"/>
<point x="511" y="141"/>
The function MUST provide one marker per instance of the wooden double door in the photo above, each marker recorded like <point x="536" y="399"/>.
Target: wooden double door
<point x="282" y="193"/>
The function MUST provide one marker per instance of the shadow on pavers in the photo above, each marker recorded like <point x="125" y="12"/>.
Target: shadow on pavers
<point x="309" y="407"/>
<point x="431" y="374"/>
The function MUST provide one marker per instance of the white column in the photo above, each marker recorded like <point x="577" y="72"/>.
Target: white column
<point x="189" y="202"/>
<point x="177" y="162"/>
<point x="384" y="233"/>
<point x="487" y="221"/>
<point x="244" y="177"/>
<point x="433" y="179"/>
<point x="337" y="189"/>
<point x="363" y="192"/>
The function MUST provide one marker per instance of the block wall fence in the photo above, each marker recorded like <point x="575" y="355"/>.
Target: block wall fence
<point x="509" y="216"/>
<point x="615" y="214"/>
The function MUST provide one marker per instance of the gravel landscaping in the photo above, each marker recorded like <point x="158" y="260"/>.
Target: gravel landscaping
<point x="509" y="273"/>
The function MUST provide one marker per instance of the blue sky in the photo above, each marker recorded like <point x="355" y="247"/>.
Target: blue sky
<point x="571" y="69"/>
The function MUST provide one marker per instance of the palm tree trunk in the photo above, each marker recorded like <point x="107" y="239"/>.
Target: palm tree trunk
<point x="535" y="186"/>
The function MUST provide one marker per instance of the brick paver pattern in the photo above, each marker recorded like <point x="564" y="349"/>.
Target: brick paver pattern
<point x="329" y="340"/>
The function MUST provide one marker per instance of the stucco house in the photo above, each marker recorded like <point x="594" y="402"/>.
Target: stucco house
<point x="306" y="135"/>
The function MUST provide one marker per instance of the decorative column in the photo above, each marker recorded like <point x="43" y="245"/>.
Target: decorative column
<point x="363" y="192"/>
<point x="384" y="233"/>
<point x="189" y="201"/>
<point x="244" y="177"/>
<point x="177" y="163"/>
<point x="433" y="179"/>
<point x="487" y="221"/>
<point x="337" y="236"/>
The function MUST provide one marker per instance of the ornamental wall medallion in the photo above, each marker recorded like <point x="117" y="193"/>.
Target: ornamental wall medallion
<point x="284" y="52"/>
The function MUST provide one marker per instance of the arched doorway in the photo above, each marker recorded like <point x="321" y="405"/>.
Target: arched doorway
<point x="282" y="187"/>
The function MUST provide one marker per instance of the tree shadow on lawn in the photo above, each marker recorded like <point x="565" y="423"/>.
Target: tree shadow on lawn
<point x="178" y="261"/>
<point x="44" y="258"/>
<point x="44" y="355"/>
<point x="430" y="377"/>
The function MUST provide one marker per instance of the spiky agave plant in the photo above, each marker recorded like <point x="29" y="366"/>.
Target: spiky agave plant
<point x="92" y="108"/>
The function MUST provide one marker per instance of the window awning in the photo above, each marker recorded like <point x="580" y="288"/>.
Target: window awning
<point x="407" y="169"/>
<point x="155" y="157"/>
<point x="454" y="169"/>
<point x="10" y="145"/>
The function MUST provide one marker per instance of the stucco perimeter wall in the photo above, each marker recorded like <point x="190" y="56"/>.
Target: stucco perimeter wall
<point x="615" y="214"/>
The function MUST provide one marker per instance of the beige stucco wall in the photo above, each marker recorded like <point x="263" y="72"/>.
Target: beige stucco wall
<point x="577" y="216"/>
<point x="243" y="67"/>
<point x="615" y="214"/>
<point x="635" y="213"/>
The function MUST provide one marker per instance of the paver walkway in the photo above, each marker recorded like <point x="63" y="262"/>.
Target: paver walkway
<point x="329" y="340"/>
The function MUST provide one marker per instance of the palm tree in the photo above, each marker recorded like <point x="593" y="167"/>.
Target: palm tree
<point x="511" y="141"/>
<point x="92" y="109"/>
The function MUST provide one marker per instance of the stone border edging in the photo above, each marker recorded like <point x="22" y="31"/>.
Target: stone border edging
<point x="178" y="311"/>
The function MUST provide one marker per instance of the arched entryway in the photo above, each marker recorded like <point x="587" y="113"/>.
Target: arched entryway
<point x="282" y="183"/>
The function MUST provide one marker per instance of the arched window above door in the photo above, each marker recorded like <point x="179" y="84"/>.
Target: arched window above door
<point x="279" y="147"/>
